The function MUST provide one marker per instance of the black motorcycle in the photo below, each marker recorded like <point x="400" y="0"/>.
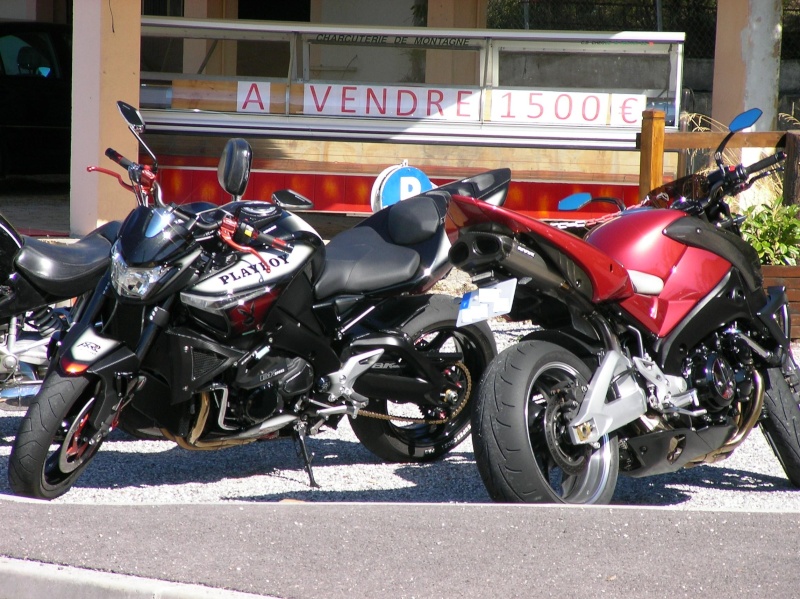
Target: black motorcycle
<point x="221" y="326"/>
<point x="43" y="288"/>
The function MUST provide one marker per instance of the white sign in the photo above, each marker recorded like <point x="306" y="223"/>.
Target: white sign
<point x="252" y="96"/>
<point x="523" y="106"/>
<point x="379" y="101"/>
<point x="548" y="107"/>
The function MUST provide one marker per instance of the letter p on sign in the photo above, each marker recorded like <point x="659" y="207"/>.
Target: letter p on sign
<point x="409" y="187"/>
<point x="398" y="183"/>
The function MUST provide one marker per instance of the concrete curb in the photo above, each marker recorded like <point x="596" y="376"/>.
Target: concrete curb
<point x="33" y="580"/>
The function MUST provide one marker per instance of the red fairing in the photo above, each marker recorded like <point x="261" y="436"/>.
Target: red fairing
<point x="637" y="240"/>
<point x="609" y="279"/>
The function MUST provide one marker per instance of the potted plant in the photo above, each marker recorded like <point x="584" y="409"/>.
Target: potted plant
<point x="773" y="229"/>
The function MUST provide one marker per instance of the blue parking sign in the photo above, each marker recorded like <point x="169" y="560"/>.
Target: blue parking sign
<point x="398" y="183"/>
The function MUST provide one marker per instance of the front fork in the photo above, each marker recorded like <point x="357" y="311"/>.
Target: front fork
<point x="84" y="350"/>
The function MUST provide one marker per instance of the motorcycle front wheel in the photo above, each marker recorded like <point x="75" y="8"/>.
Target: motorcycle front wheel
<point x="782" y="425"/>
<point x="522" y="448"/>
<point x="397" y="440"/>
<point x="51" y="448"/>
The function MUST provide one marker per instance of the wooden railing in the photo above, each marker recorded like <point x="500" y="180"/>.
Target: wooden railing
<point x="654" y="141"/>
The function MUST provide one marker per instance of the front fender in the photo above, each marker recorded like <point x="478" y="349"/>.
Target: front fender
<point x="105" y="358"/>
<point x="83" y="347"/>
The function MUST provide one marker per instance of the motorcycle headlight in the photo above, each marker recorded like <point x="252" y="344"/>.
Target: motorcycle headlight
<point x="135" y="283"/>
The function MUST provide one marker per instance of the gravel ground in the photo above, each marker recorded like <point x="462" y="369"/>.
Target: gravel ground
<point x="158" y="472"/>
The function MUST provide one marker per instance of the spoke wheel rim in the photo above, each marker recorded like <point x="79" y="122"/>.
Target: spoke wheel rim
<point x="589" y="473"/>
<point x="74" y="449"/>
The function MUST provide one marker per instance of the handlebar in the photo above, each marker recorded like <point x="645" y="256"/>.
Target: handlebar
<point x="765" y="163"/>
<point x="245" y="233"/>
<point x="119" y="158"/>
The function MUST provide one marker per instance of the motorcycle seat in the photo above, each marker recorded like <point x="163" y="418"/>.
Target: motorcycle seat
<point x="382" y="251"/>
<point x="67" y="270"/>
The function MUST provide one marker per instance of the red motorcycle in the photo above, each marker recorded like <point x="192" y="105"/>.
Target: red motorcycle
<point x="658" y="346"/>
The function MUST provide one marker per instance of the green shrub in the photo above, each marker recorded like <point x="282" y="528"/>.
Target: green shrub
<point x="773" y="229"/>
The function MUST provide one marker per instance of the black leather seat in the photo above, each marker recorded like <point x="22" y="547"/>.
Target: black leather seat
<point x="380" y="252"/>
<point x="67" y="270"/>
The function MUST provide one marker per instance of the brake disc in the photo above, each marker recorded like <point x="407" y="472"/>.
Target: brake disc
<point x="561" y="408"/>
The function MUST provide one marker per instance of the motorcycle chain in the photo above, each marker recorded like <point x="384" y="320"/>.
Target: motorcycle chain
<point x="458" y="410"/>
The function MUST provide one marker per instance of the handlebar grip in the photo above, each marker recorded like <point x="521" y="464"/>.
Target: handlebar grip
<point x="274" y="242"/>
<point x="765" y="163"/>
<point x="119" y="158"/>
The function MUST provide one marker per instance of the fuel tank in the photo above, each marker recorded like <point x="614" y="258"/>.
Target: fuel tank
<point x="235" y="298"/>
<point x="637" y="239"/>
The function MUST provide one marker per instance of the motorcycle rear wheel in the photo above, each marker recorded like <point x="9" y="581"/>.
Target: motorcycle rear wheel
<point x="782" y="425"/>
<point x="50" y="450"/>
<point x="513" y="420"/>
<point x="399" y="441"/>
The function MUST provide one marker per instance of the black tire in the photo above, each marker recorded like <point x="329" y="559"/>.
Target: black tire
<point x="49" y="452"/>
<point x="514" y="456"/>
<point x="396" y="441"/>
<point x="782" y="425"/>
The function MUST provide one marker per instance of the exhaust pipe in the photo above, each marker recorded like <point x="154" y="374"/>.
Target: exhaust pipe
<point x="478" y="251"/>
<point x="18" y="396"/>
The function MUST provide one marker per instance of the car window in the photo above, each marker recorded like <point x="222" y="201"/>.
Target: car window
<point x="28" y="55"/>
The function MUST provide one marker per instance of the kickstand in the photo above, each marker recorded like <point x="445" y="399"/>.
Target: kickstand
<point x="300" y="436"/>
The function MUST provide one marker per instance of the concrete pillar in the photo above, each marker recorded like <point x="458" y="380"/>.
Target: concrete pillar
<point x="105" y="58"/>
<point x="747" y="60"/>
<point x="443" y="67"/>
<point x="222" y="58"/>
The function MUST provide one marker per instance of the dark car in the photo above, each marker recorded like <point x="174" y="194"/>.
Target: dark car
<point x="35" y="97"/>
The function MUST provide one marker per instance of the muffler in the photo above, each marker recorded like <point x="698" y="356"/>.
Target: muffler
<point x="18" y="396"/>
<point x="478" y="251"/>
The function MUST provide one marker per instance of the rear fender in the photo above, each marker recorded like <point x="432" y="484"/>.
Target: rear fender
<point x="395" y="312"/>
<point x="586" y="349"/>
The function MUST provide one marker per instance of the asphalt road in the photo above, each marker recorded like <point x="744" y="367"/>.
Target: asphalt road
<point x="245" y="519"/>
<point x="346" y="550"/>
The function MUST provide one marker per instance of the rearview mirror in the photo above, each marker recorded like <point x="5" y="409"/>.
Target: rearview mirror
<point x="576" y="201"/>
<point x="745" y="120"/>
<point x="136" y="124"/>
<point x="131" y="115"/>
<point x="742" y="121"/>
<point x="291" y="200"/>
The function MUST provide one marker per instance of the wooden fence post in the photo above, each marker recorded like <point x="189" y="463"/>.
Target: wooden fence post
<point x="791" y="176"/>
<point x="651" y="160"/>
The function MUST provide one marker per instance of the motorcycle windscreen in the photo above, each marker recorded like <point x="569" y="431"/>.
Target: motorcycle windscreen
<point x="151" y="236"/>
